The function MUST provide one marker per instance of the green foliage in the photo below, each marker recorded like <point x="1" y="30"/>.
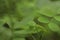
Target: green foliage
<point x="53" y="27"/>
<point x="57" y="18"/>
<point x="29" y="19"/>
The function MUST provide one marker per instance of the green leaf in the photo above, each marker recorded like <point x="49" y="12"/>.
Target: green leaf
<point x="25" y="21"/>
<point x="57" y="17"/>
<point x="53" y="27"/>
<point x="31" y="23"/>
<point x="43" y="19"/>
<point x="48" y="11"/>
<point x="55" y="21"/>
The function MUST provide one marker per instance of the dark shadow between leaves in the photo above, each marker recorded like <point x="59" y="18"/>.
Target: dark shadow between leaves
<point x="6" y="25"/>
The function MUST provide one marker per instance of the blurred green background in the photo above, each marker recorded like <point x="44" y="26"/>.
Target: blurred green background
<point x="29" y="19"/>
